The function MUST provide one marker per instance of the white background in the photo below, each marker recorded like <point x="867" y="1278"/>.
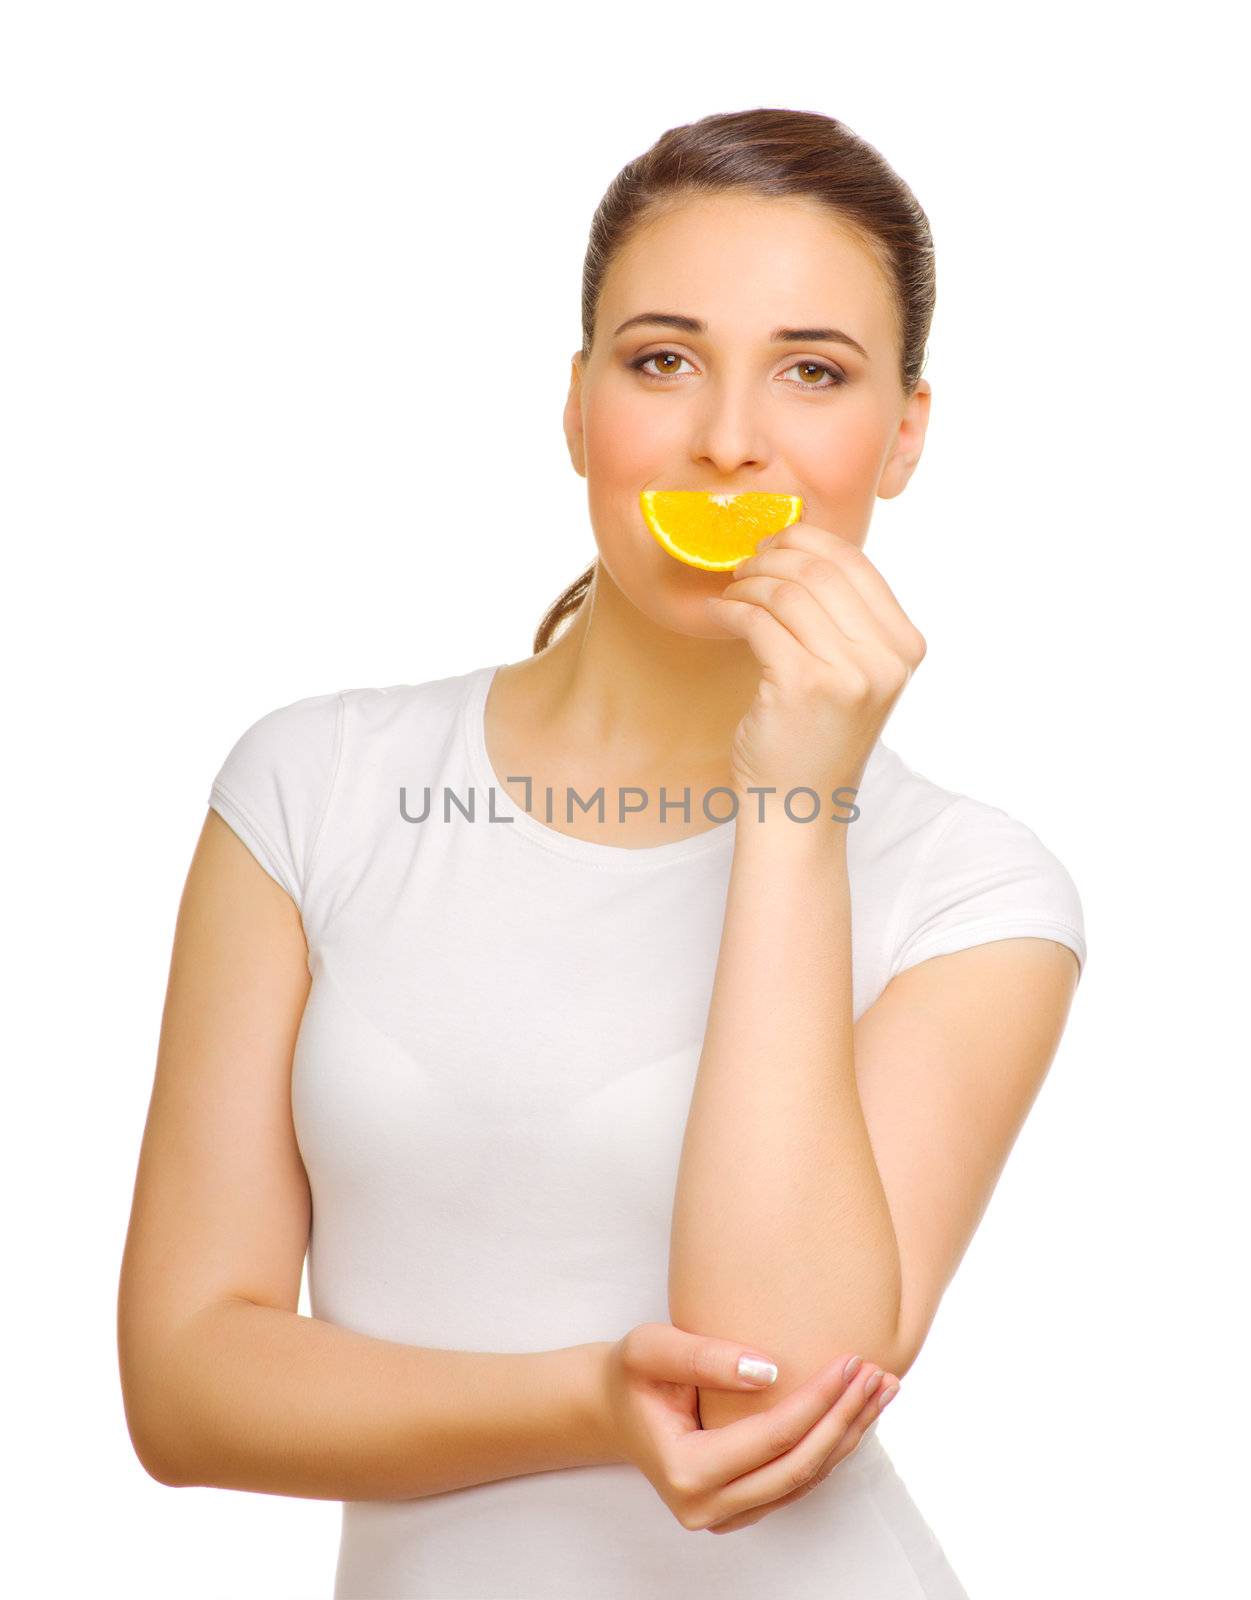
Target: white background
<point x="289" y="296"/>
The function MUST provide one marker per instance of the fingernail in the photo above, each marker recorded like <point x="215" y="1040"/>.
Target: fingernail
<point x="753" y="1369"/>
<point x="768" y="539"/>
<point x="888" y="1397"/>
<point x="852" y="1367"/>
<point x="872" y="1384"/>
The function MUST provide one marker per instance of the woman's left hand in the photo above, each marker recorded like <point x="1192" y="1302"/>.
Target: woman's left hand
<point x="837" y="651"/>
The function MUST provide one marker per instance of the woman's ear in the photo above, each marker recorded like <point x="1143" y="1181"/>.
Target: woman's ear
<point x="573" y="417"/>
<point x="909" y="442"/>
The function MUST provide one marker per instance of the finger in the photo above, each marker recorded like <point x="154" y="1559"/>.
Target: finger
<point x="870" y="1410"/>
<point x="890" y="1388"/>
<point x="723" y="1454"/>
<point x="861" y="573"/>
<point x="772" y="642"/>
<point x="827" y="579"/>
<point x="669" y="1354"/>
<point x="801" y="613"/>
<point x="798" y="1468"/>
<point x="846" y="1446"/>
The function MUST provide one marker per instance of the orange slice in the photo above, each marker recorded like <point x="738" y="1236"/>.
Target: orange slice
<point x="715" y="531"/>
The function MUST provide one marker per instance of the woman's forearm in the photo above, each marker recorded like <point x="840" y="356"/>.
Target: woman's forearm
<point x="253" y="1397"/>
<point x="782" y="1235"/>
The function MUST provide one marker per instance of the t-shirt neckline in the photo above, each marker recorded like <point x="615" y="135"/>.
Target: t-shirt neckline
<point x="495" y="800"/>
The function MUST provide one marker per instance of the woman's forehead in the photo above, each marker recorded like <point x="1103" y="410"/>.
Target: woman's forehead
<point x="743" y="272"/>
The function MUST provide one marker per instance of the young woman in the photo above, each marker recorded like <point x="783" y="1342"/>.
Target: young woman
<point x="572" y="1108"/>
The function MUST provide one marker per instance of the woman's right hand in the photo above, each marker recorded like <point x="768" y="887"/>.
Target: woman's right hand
<point x="653" y="1375"/>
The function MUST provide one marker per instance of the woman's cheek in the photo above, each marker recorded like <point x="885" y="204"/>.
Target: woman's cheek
<point x="623" y="458"/>
<point x="624" y="444"/>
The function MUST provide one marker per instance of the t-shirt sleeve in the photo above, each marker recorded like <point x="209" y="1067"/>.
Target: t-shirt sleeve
<point x="274" y="787"/>
<point x="983" y="876"/>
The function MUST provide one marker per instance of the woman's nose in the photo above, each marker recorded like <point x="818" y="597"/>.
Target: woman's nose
<point x="728" y="431"/>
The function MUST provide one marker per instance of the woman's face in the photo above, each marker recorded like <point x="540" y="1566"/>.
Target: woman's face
<point x="724" y="406"/>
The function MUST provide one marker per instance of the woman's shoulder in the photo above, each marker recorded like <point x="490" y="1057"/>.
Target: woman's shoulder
<point x="296" y="725"/>
<point x="276" y="782"/>
<point x="431" y="700"/>
<point x="911" y="806"/>
<point x="968" y="870"/>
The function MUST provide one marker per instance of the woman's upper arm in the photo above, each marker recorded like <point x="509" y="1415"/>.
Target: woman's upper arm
<point x="987" y="950"/>
<point x="949" y="1060"/>
<point x="221" y="1204"/>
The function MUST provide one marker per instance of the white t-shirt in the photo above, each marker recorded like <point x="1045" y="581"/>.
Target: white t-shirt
<point x="490" y="1087"/>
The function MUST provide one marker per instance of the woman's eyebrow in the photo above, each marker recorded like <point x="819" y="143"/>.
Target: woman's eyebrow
<point x="673" y="319"/>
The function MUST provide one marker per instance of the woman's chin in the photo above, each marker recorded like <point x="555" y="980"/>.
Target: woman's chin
<point x="693" y="619"/>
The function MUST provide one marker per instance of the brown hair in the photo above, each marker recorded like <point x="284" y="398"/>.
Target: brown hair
<point x="768" y="152"/>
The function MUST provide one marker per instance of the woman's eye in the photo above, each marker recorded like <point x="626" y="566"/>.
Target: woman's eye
<point x="819" y="368"/>
<point x="660" y="355"/>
